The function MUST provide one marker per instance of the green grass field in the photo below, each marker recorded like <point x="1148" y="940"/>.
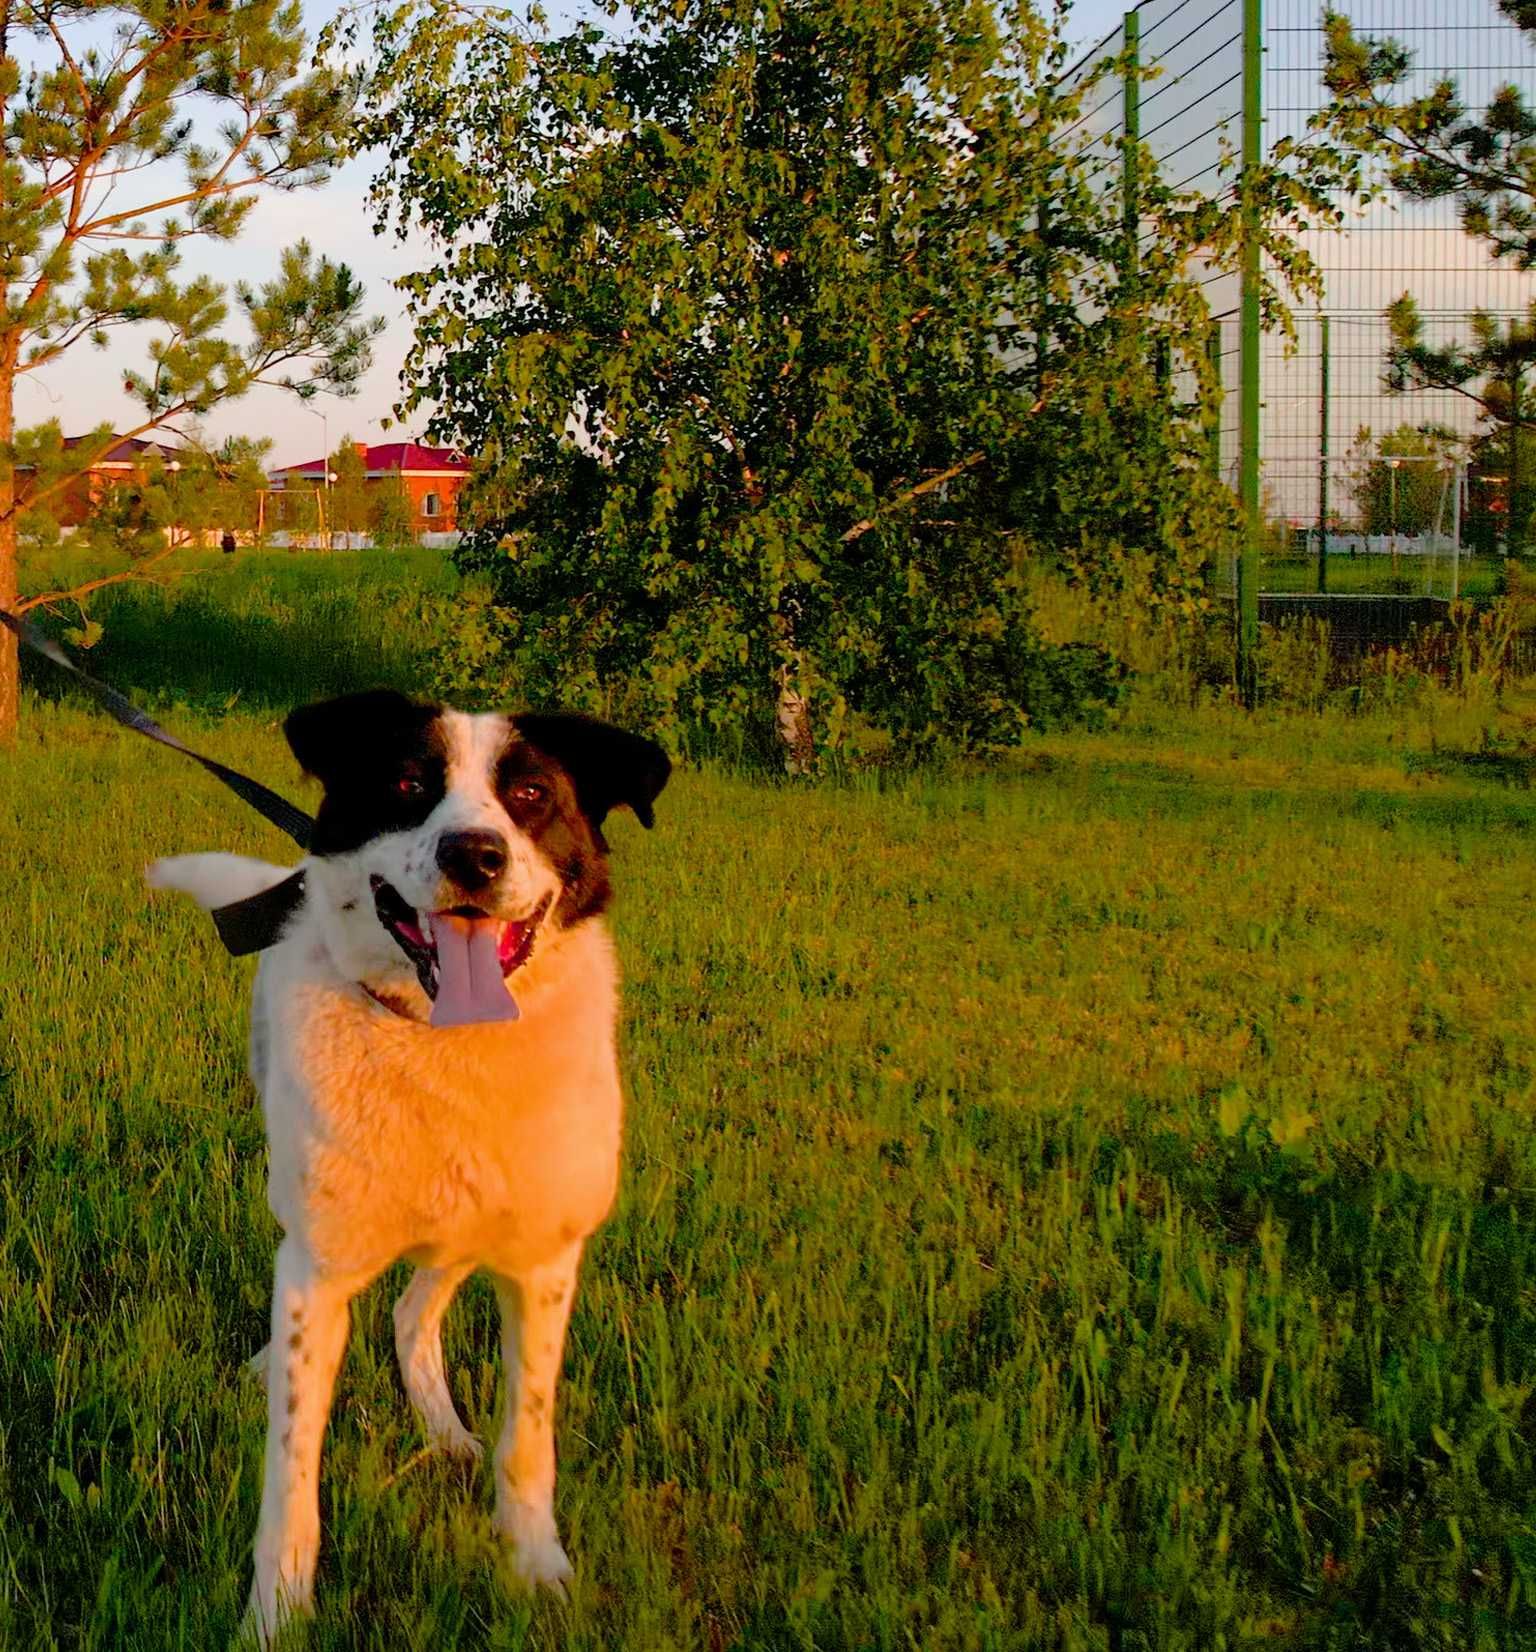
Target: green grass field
<point x="1477" y="576"/>
<point x="1090" y="1204"/>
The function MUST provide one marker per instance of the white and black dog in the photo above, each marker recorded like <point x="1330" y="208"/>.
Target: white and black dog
<point x="449" y="852"/>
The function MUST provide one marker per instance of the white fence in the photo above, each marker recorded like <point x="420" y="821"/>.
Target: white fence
<point x="1384" y="544"/>
<point x="313" y="541"/>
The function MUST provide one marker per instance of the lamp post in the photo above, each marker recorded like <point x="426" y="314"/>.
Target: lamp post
<point x="174" y="467"/>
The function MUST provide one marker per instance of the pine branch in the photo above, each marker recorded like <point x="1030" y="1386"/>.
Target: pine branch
<point x="77" y="592"/>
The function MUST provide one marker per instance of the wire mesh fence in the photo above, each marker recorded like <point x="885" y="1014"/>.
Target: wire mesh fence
<point x="1326" y="421"/>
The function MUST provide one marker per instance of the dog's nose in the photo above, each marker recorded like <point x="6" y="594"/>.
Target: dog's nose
<point x="472" y="858"/>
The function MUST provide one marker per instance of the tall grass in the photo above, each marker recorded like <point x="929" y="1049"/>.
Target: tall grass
<point x="268" y="628"/>
<point x="1089" y="1204"/>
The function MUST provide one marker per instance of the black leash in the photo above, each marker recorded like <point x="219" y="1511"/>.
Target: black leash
<point x="243" y="926"/>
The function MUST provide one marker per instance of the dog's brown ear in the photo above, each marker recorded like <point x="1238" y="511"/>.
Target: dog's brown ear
<point x="607" y="765"/>
<point x="325" y="737"/>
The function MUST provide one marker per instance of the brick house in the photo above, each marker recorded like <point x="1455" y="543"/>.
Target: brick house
<point x="429" y="477"/>
<point x="121" y="466"/>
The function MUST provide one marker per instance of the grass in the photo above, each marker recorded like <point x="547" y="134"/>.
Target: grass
<point x="1087" y="1205"/>
<point x="1376" y="575"/>
<point x="267" y="628"/>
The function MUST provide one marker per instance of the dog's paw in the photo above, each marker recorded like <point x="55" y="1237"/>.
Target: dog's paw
<point x="543" y="1566"/>
<point x="537" y="1559"/>
<point x="273" y="1625"/>
<point x="257" y="1363"/>
<point x="456" y="1440"/>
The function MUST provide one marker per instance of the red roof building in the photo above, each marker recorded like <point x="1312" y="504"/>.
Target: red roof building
<point x="429" y="477"/>
<point x="121" y="465"/>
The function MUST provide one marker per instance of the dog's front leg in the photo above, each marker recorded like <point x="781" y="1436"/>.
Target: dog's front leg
<point x="309" y="1333"/>
<point x="419" y="1347"/>
<point x="535" y="1307"/>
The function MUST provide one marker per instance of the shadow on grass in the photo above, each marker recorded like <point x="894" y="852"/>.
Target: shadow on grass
<point x="1153" y="788"/>
<point x="1355" y="1344"/>
<point x="1515" y="770"/>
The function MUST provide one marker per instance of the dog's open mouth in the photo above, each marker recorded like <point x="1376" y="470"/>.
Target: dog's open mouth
<point x="514" y="937"/>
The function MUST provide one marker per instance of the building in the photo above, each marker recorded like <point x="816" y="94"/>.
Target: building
<point x="429" y="477"/>
<point x="121" y="466"/>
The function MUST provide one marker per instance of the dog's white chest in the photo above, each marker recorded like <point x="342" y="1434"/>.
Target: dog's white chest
<point x="496" y="1144"/>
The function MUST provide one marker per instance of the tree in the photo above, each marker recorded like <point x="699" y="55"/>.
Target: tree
<point x="390" y="518"/>
<point x="348" y="503"/>
<point x="1428" y="146"/>
<point x="115" y="147"/>
<point x="780" y="328"/>
<point x="215" y="489"/>
<point x="1501" y="489"/>
<point x="1408" y="496"/>
<point x="240" y="464"/>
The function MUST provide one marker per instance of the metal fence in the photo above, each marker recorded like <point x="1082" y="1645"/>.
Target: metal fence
<point x="1298" y="412"/>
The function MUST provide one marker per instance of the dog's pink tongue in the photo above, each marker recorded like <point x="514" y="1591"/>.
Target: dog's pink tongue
<point x="470" y="987"/>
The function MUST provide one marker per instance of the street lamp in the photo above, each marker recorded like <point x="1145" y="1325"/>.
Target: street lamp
<point x="174" y="467"/>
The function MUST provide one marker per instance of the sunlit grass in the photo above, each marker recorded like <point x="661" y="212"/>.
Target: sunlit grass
<point x="1083" y="1205"/>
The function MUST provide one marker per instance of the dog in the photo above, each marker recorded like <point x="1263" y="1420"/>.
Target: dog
<point x="453" y="856"/>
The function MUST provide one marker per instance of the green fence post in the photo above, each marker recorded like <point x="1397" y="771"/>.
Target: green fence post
<point x="1513" y="522"/>
<point x="1248" y="402"/>
<point x="1322" y="466"/>
<point x="1130" y="145"/>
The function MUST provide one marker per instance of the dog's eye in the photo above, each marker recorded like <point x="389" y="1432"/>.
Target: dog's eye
<point x="529" y="791"/>
<point x="409" y="785"/>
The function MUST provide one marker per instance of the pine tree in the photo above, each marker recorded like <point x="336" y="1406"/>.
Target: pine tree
<point x="125" y="130"/>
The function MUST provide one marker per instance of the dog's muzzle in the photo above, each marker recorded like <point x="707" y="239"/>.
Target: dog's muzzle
<point x="462" y="955"/>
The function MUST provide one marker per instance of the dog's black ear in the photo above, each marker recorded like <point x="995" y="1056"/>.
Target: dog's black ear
<point x="326" y="736"/>
<point x="607" y="766"/>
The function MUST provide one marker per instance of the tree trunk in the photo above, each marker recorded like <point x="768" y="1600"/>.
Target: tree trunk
<point x="793" y="722"/>
<point x="10" y="670"/>
<point x="10" y="664"/>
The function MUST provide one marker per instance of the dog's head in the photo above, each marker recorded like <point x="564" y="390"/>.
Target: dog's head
<point x="430" y="813"/>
